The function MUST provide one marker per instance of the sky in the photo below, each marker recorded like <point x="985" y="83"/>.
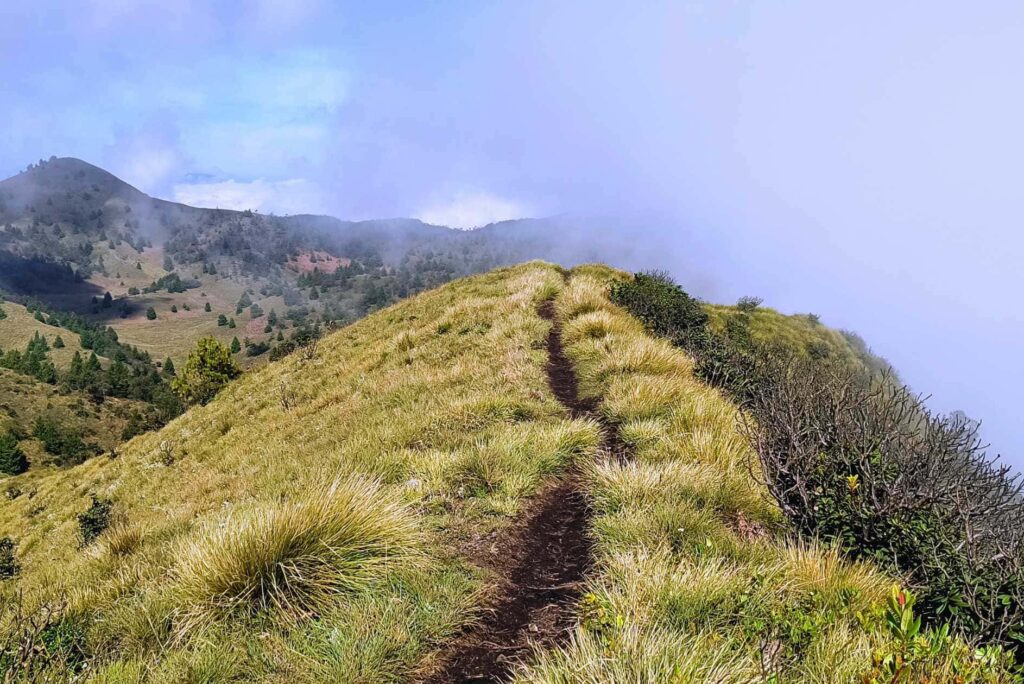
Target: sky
<point x="861" y="161"/>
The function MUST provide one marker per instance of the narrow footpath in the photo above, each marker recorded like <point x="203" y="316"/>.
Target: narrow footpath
<point x="545" y="557"/>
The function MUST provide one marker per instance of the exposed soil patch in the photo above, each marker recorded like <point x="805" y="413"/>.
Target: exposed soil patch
<point x="324" y="262"/>
<point x="541" y="560"/>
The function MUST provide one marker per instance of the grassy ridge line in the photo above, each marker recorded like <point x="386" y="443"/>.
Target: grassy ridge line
<point x="695" y="581"/>
<point x="439" y="404"/>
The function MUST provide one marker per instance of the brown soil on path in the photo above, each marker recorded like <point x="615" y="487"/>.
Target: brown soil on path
<point x="542" y="559"/>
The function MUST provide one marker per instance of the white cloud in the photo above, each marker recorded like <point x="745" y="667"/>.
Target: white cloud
<point x="274" y="17"/>
<point x="291" y="196"/>
<point x="148" y="155"/>
<point x="471" y="210"/>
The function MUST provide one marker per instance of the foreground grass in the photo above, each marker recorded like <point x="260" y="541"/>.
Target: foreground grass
<point x="695" y="580"/>
<point x="313" y="522"/>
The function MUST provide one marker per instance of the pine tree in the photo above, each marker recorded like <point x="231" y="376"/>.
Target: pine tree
<point x="222" y="320"/>
<point x="58" y="342"/>
<point x="75" y="376"/>
<point x="208" y="368"/>
<point x="169" y="366"/>
<point x="151" y="313"/>
<point x="236" y="346"/>
<point x="12" y="458"/>
<point x="119" y="378"/>
<point x="208" y="308"/>
<point x="231" y="323"/>
<point x="108" y="301"/>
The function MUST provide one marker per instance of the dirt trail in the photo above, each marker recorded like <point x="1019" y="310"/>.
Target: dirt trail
<point x="544" y="557"/>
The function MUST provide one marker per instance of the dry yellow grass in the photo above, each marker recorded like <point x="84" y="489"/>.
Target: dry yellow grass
<point x="231" y="560"/>
<point x="693" y="583"/>
<point x="441" y="399"/>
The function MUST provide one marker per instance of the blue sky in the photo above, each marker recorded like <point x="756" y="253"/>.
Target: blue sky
<point x="861" y="161"/>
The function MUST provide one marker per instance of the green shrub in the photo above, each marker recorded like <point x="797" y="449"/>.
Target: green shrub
<point x="60" y="441"/>
<point x="8" y="561"/>
<point x="748" y="304"/>
<point x="913" y="654"/>
<point x="725" y="360"/>
<point x="64" y="643"/>
<point x="862" y="463"/>
<point x="661" y="305"/>
<point x="41" y="642"/>
<point x="96" y="519"/>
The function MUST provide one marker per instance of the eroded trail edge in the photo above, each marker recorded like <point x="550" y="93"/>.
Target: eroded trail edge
<point x="543" y="558"/>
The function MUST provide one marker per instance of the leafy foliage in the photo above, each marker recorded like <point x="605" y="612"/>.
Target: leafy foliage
<point x="865" y="464"/>
<point x="914" y="654"/>
<point x="208" y="368"/>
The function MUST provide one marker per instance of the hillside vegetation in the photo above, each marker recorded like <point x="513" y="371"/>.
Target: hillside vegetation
<point x="334" y="517"/>
<point x="420" y="430"/>
<point x="698" y="579"/>
<point x="18" y="326"/>
<point x="71" y="232"/>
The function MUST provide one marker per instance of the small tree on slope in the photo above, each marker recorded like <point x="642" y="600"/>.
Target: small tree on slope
<point x="208" y="368"/>
<point x="12" y="458"/>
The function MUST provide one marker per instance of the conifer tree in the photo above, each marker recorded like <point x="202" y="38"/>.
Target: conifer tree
<point x="12" y="458"/>
<point x="209" y="367"/>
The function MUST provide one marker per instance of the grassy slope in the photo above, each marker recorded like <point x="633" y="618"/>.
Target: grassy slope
<point x="173" y="335"/>
<point x="22" y="399"/>
<point x="695" y="582"/>
<point x="796" y="332"/>
<point x="442" y="398"/>
<point x="18" y="328"/>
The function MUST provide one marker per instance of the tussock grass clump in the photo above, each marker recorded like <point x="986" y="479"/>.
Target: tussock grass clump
<point x="641" y="655"/>
<point x="121" y="538"/>
<point x="584" y="295"/>
<point x="596" y="325"/>
<point x="294" y="557"/>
